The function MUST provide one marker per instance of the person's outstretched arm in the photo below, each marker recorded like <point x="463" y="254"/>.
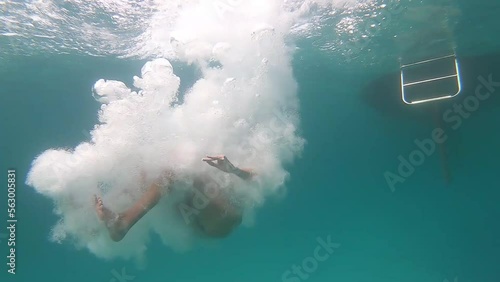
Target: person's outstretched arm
<point x="222" y="163"/>
<point x="243" y="173"/>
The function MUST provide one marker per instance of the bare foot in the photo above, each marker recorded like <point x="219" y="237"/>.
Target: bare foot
<point x="112" y="220"/>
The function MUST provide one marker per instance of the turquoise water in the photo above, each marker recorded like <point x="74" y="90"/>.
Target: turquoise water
<point x="425" y="230"/>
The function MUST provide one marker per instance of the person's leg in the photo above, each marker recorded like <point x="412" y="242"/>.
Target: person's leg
<point x="119" y="224"/>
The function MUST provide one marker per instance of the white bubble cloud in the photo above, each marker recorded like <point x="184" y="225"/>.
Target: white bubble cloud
<point x="245" y="108"/>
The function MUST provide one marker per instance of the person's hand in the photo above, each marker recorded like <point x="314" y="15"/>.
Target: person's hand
<point x="220" y="162"/>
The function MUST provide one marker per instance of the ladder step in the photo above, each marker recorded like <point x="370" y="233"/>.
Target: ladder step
<point x="430" y="80"/>
<point x="427" y="61"/>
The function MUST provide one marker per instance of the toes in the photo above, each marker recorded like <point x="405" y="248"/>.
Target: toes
<point x="98" y="203"/>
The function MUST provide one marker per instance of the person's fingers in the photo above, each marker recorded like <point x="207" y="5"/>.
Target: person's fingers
<point x="219" y="157"/>
<point x="97" y="200"/>
<point x="211" y="163"/>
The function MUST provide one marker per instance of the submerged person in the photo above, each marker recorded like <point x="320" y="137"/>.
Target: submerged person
<point x="216" y="219"/>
